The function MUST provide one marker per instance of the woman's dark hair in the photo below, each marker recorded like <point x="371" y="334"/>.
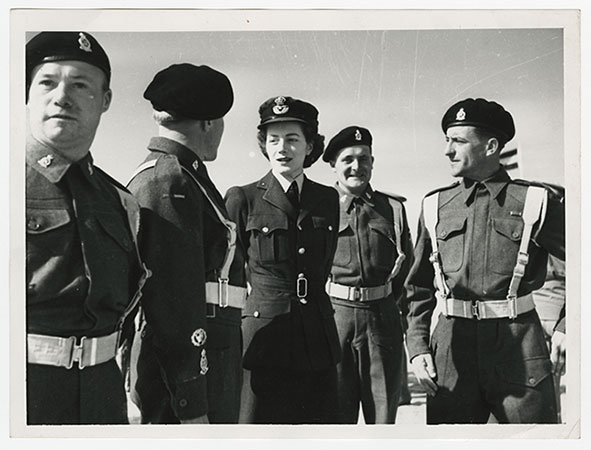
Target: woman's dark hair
<point x="310" y="134"/>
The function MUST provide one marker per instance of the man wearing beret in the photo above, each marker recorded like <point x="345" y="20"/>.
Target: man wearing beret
<point x="189" y="366"/>
<point x="481" y="250"/>
<point x="82" y="265"/>
<point x="372" y="259"/>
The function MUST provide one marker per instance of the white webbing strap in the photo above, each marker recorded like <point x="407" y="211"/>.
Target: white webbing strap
<point x="534" y="206"/>
<point x="431" y="217"/>
<point x="223" y="277"/>
<point x="397" y="218"/>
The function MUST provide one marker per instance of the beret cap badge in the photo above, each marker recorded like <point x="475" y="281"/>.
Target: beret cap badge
<point x="84" y="43"/>
<point x="461" y="115"/>
<point x="358" y="136"/>
<point x="280" y="106"/>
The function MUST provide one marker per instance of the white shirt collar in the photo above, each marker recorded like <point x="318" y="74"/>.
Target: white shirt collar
<point x="285" y="183"/>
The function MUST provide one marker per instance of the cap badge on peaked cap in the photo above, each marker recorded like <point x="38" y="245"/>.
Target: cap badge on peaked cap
<point x="84" y="43"/>
<point x="358" y="136"/>
<point x="461" y="115"/>
<point x="280" y="106"/>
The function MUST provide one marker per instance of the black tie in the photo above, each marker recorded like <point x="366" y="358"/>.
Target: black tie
<point x="293" y="195"/>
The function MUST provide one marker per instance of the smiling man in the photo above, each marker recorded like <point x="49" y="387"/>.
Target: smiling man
<point x="82" y="268"/>
<point x="371" y="262"/>
<point x="482" y="249"/>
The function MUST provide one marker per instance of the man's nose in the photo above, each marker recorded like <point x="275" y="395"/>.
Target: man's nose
<point x="62" y="95"/>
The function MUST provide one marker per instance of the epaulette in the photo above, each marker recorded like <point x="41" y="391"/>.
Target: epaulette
<point x="110" y="179"/>
<point x="555" y="189"/>
<point x="165" y="167"/>
<point x="400" y="198"/>
<point x="444" y="188"/>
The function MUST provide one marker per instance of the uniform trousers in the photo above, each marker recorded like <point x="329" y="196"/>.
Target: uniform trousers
<point x="370" y="372"/>
<point x="224" y="378"/>
<point x="493" y="366"/>
<point x="60" y="396"/>
<point x="273" y="395"/>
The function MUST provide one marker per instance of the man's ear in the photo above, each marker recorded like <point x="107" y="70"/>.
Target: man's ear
<point x="492" y="146"/>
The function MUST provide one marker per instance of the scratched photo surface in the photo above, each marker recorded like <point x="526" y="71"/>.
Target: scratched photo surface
<point x="398" y="83"/>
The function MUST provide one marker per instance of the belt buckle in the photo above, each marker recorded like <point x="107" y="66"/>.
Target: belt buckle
<point x="77" y="353"/>
<point x="302" y="288"/>
<point x="356" y="293"/>
<point x="511" y="302"/>
<point x="476" y="310"/>
<point x="223" y="299"/>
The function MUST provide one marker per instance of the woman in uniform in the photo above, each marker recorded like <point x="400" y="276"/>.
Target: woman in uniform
<point x="288" y="226"/>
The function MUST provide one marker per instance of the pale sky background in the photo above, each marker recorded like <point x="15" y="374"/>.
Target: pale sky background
<point x="396" y="83"/>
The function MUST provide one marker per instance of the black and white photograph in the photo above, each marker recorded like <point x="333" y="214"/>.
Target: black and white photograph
<point x="295" y="224"/>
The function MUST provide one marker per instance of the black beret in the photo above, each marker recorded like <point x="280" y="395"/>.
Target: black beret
<point x="347" y="137"/>
<point x="193" y="92"/>
<point x="51" y="46"/>
<point x="285" y="109"/>
<point x="480" y="113"/>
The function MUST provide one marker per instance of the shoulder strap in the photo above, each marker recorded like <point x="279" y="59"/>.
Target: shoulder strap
<point x="398" y="226"/>
<point x="230" y="226"/>
<point x="431" y="217"/>
<point x="534" y="210"/>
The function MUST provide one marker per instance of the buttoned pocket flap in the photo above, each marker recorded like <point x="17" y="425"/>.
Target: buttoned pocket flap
<point x="510" y="228"/>
<point x="112" y="224"/>
<point x="382" y="227"/>
<point x="44" y="220"/>
<point x="267" y="309"/>
<point x="266" y="223"/>
<point x="321" y="222"/>
<point x="529" y="372"/>
<point x="450" y="227"/>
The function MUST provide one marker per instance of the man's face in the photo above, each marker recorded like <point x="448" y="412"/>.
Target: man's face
<point x="466" y="151"/>
<point x="353" y="167"/>
<point x="287" y="148"/>
<point x="66" y="100"/>
<point x="214" y="138"/>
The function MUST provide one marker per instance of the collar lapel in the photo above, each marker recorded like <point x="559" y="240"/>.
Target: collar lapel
<point x="274" y="194"/>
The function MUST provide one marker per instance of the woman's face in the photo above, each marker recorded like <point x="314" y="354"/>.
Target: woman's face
<point x="287" y="148"/>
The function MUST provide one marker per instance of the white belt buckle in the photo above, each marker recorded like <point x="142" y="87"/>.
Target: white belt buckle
<point x="511" y="301"/>
<point x="223" y="299"/>
<point x="476" y="310"/>
<point x="77" y="353"/>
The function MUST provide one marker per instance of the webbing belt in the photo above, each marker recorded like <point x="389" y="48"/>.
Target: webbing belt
<point x="64" y="352"/>
<point x="534" y="208"/>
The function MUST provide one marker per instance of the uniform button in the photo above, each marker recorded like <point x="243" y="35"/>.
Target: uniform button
<point x="32" y="224"/>
<point x="330" y="228"/>
<point x="265" y="229"/>
<point x="300" y="227"/>
<point x="256" y="314"/>
<point x="443" y="233"/>
<point x="531" y="380"/>
<point x="301" y="250"/>
<point x="183" y="402"/>
<point x="300" y="275"/>
<point x="484" y="291"/>
<point x="515" y="234"/>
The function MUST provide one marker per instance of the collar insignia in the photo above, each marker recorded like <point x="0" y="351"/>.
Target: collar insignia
<point x="46" y="161"/>
<point x="195" y="165"/>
